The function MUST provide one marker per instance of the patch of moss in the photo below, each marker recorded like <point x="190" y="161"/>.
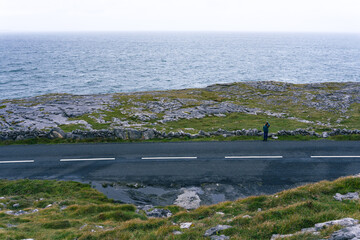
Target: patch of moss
<point x="72" y="127"/>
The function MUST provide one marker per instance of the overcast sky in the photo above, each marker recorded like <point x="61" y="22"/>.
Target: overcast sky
<point x="180" y="15"/>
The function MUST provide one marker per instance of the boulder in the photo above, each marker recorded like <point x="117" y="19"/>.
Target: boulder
<point x="221" y="237"/>
<point x="134" y="134"/>
<point x="346" y="222"/>
<point x="352" y="232"/>
<point x="325" y="135"/>
<point x="185" y="225"/>
<point x="120" y="133"/>
<point x="148" y="134"/>
<point x="188" y="199"/>
<point x="159" y="213"/>
<point x="19" y="138"/>
<point x="348" y="196"/>
<point x="56" y="133"/>
<point x="215" y="230"/>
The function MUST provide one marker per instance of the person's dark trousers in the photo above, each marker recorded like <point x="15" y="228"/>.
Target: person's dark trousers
<point x="265" y="136"/>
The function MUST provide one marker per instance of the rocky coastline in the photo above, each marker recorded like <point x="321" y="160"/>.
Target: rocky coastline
<point x="316" y="110"/>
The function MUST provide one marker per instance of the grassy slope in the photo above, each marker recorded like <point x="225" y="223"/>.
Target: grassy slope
<point x="286" y="212"/>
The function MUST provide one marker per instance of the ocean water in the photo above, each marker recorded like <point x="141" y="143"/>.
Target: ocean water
<point x="91" y="63"/>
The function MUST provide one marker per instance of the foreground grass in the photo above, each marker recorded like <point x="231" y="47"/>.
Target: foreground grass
<point x="90" y="215"/>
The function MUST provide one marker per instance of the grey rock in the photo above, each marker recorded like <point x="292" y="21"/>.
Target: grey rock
<point x="352" y="233"/>
<point x="177" y="232"/>
<point x="185" y="225"/>
<point x="348" y="196"/>
<point x="134" y="134"/>
<point x="215" y="230"/>
<point x="56" y="133"/>
<point x="325" y="135"/>
<point x="308" y="230"/>
<point x="346" y="222"/>
<point x="148" y="134"/>
<point x="19" y="138"/>
<point x="16" y="205"/>
<point x="145" y="207"/>
<point x="20" y="212"/>
<point x="11" y="225"/>
<point x="221" y="237"/>
<point x="189" y="199"/>
<point x="159" y="213"/>
<point x="279" y="236"/>
<point x="121" y="133"/>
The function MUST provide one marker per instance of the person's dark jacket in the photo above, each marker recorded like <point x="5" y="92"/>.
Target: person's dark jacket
<point x="266" y="128"/>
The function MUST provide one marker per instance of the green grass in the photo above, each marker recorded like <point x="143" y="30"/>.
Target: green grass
<point x="354" y="120"/>
<point x="234" y="121"/>
<point x="282" y="213"/>
<point x="72" y="127"/>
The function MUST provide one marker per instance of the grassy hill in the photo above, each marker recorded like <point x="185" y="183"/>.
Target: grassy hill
<point x="70" y="210"/>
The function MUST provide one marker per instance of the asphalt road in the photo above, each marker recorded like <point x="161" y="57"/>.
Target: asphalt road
<point x="269" y="163"/>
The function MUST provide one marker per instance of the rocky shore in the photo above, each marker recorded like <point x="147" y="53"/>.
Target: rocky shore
<point x="318" y="110"/>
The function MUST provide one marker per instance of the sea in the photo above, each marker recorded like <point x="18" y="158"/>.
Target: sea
<point x="33" y="64"/>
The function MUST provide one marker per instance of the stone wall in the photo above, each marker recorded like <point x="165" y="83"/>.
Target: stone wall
<point x="133" y="134"/>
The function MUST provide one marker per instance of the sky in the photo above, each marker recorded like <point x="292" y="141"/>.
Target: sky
<point x="180" y="15"/>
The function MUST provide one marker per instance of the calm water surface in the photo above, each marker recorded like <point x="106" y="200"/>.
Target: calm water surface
<point x="88" y="63"/>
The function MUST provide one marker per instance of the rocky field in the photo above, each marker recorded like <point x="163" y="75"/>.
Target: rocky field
<point x="225" y="110"/>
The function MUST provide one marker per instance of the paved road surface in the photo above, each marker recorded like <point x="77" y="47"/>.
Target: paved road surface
<point x="248" y="162"/>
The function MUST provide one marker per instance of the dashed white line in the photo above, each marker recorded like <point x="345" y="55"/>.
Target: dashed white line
<point x="335" y="156"/>
<point x="86" y="159"/>
<point x="159" y="158"/>
<point x="18" y="161"/>
<point x="242" y="157"/>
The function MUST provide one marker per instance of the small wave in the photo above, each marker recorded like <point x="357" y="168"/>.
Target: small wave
<point x="15" y="70"/>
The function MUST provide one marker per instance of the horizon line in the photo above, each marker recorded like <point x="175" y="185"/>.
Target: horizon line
<point x="172" y="31"/>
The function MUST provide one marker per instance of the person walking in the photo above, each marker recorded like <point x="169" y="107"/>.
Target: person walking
<point x="266" y="130"/>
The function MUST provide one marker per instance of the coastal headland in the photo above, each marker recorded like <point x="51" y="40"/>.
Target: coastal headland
<point x="232" y="111"/>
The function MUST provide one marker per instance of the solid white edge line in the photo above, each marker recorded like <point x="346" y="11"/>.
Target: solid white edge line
<point x="335" y="156"/>
<point x="86" y="159"/>
<point x="158" y="158"/>
<point x="241" y="157"/>
<point x="18" y="161"/>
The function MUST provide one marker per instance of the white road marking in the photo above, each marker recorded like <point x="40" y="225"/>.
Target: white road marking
<point x="241" y="157"/>
<point x="86" y="159"/>
<point x="157" y="158"/>
<point x="18" y="161"/>
<point x="335" y="156"/>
